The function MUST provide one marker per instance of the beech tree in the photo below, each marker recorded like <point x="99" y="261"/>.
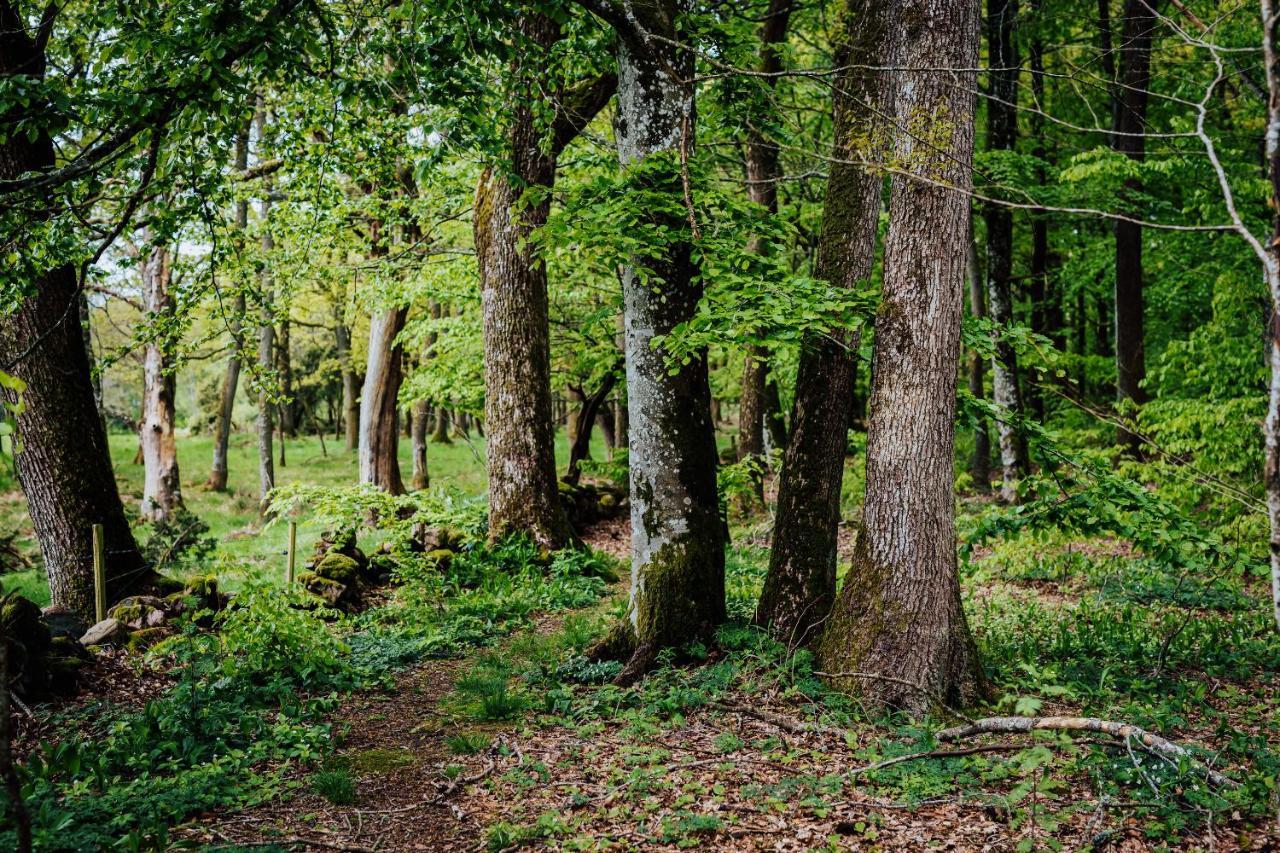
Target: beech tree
<point x="379" y="409"/>
<point x="897" y="634"/>
<point x="162" y="485"/>
<point x="677" y="536"/>
<point x="801" y="582"/>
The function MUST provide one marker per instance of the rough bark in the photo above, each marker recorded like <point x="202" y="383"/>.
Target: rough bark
<point x="421" y="475"/>
<point x="217" y="481"/>
<point x="1130" y="122"/>
<point x="64" y="466"/>
<point x="751" y="404"/>
<point x="162" y="485"/>
<point x="899" y="614"/>
<point x="677" y="536"/>
<point x="379" y="415"/>
<point x="800" y="585"/>
<point x="980" y="464"/>
<point x="1002" y="134"/>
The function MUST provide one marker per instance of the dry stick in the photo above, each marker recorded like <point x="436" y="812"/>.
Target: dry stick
<point x="1127" y="731"/>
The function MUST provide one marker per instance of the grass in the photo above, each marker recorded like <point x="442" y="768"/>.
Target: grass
<point x="247" y="552"/>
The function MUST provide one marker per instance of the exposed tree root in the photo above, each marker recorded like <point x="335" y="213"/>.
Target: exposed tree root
<point x="642" y="661"/>
<point x="1125" y="731"/>
<point x="618" y="643"/>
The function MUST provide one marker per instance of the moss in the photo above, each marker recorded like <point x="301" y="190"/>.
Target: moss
<point x="128" y="612"/>
<point x="380" y="762"/>
<point x="683" y="598"/>
<point x="145" y="638"/>
<point x="330" y="590"/>
<point x="338" y="567"/>
<point x="617" y="644"/>
<point x="442" y="557"/>
<point x="203" y="587"/>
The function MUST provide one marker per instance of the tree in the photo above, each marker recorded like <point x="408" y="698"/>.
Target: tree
<point x="763" y="173"/>
<point x="64" y="465"/>
<point x="677" y="536"/>
<point x="379" y="409"/>
<point x="421" y="419"/>
<point x="898" y="619"/>
<point x="1129" y="122"/>
<point x="1002" y="135"/>
<point x="512" y="201"/>
<point x="162" y="486"/>
<point x="980" y="464"/>
<point x="800" y="586"/>
<point x="266" y="365"/>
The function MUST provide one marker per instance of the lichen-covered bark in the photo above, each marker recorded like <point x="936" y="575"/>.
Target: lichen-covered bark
<point x="64" y="465"/>
<point x="899" y="613"/>
<point x="1002" y="134"/>
<point x="379" y="437"/>
<point x="801" y="582"/>
<point x="162" y="485"/>
<point x="677" y="536"/>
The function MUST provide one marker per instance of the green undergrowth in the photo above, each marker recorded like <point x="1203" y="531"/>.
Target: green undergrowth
<point x="252" y="699"/>
<point x="1154" y="662"/>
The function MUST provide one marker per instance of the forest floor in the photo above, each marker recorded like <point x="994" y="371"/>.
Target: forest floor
<point x="517" y="740"/>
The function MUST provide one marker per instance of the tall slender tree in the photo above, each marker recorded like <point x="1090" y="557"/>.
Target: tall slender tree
<point x="897" y="634"/>
<point x="162" y="483"/>
<point x="801" y="583"/>
<point x="379" y="409"/>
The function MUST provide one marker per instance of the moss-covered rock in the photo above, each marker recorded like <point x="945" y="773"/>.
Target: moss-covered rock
<point x="146" y="638"/>
<point x="442" y="557"/>
<point x="203" y="588"/>
<point x="329" y="590"/>
<point x="338" y="567"/>
<point x="105" y="633"/>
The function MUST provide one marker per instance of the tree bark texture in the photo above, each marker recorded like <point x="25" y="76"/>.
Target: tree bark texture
<point x="421" y="420"/>
<point x="379" y="436"/>
<point x="65" y="464"/>
<point x="1129" y="123"/>
<point x="677" y="535"/>
<point x="801" y="583"/>
<point x="1002" y="135"/>
<point x="1271" y="265"/>
<point x="899" y="614"/>
<point x="162" y="485"/>
<point x="217" y="481"/>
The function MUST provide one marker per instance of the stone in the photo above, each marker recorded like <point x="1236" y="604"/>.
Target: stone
<point x="63" y="621"/>
<point x="107" y="632"/>
<point x="155" y="619"/>
<point x="330" y="590"/>
<point x="442" y="557"/>
<point x="338" y="567"/>
<point x="146" y="638"/>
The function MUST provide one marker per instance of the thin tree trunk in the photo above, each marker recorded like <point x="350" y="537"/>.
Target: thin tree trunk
<point x="162" y="485"/>
<point x="775" y="424"/>
<point x="580" y="449"/>
<point x="266" y="361"/>
<point x="980" y="465"/>
<point x="1002" y="134"/>
<point x="65" y="463"/>
<point x="440" y="433"/>
<point x="1271" y="266"/>
<point x="350" y="387"/>
<point x="677" y="535"/>
<point x="604" y="420"/>
<point x="421" y="476"/>
<point x="899" y="615"/>
<point x="379" y="435"/>
<point x="801" y="583"/>
<point x="1130" y="123"/>
<point x="284" y="367"/>
<point x="751" y="404"/>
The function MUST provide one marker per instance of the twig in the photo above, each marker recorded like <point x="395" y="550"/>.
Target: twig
<point x="1126" y="731"/>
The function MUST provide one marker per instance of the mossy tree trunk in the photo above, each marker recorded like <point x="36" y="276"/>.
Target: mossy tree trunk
<point x="677" y="536"/>
<point x="217" y="481"/>
<point x="801" y="582"/>
<point x="64" y="465"/>
<point x="899" y="614"/>
<point x="162" y="484"/>
<point x="1002" y="135"/>
<point x="379" y="414"/>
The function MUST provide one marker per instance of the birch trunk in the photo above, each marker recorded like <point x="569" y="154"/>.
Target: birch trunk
<point x="899" y="613"/>
<point x="801" y="583"/>
<point x="162" y="485"/>
<point x="677" y="536"/>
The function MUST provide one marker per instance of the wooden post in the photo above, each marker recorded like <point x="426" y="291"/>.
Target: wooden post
<point x="293" y="550"/>
<point x="99" y="574"/>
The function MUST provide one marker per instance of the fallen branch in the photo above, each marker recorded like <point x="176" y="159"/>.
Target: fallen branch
<point x="1126" y="731"/>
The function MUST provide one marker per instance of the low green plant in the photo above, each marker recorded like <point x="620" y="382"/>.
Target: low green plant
<point x="336" y="785"/>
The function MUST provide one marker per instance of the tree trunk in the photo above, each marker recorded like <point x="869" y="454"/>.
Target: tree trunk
<point x="284" y="367"/>
<point x="379" y="436"/>
<point x="64" y="465"/>
<point x="350" y="387"/>
<point x="440" y="433"/>
<point x="1130" y="122"/>
<point x="1271" y="266"/>
<point x="162" y="485"/>
<point x="421" y="476"/>
<point x="266" y="361"/>
<point x="751" y="404"/>
<point x="574" y="423"/>
<point x="1002" y="134"/>
<point x="217" y="481"/>
<point x="899" y="614"/>
<point x="604" y="420"/>
<point x="580" y="449"/>
<point x="980" y="464"/>
<point x="775" y="425"/>
<point x="801" y="583"/>
<point x="677" y="535"/>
